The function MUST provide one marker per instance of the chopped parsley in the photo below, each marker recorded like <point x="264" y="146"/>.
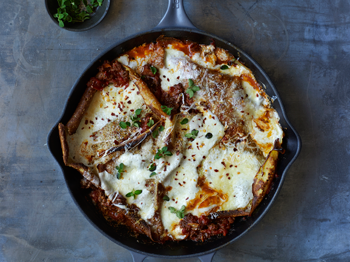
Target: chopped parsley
<point x="179" y="213"/>
<point x="71" y="10"/>
<point x="224" y="67"/>
<point x="163" y="152"/>
<point x="166" y="198"/>
<point x="136" y="119"/>
<point x="155" y="133"/>
<point x="152" y="174"/>
<point x="193" y="134"/>
<point x="152" y="167"/>
<point x="191" y="88"/>
<point x="124" y="124"/>
<point x="120" y="169"/>
<point x="150" y="122"/>
<point x="154" y="70"/>
<point x="166" y="110"/>
<point x="133" y="193"/>
<point x="184" y="121"/>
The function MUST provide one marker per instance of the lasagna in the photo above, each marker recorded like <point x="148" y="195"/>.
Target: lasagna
<point x="175" y="139"/>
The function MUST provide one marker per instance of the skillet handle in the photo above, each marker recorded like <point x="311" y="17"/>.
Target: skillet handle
<point x="207" y="258"/>
<point x="175" y="16"/>
<point x="136" y="257"/>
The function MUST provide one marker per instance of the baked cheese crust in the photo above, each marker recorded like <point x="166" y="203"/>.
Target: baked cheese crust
<point x="177" y="136"/>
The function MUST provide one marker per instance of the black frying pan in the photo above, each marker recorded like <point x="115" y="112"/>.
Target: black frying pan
<point x="175" y="23"/>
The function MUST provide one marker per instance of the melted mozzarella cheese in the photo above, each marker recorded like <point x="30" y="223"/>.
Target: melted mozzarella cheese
<point x="183" y="181"/>
<point x="179" y="173"/>
<point x="232" y="172"/>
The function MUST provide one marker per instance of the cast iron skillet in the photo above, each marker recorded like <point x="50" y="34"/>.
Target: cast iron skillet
<point x="175" y="23"/>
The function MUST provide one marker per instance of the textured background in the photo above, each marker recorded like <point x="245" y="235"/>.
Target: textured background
<point x="304" y="46"/>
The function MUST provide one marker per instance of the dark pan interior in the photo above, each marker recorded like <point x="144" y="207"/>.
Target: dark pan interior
<point x="291" y="145"/>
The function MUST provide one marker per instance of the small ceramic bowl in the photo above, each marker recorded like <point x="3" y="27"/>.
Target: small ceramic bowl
<point x="95" y="19"/>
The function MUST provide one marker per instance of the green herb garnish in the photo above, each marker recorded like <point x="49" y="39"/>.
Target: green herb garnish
<point x="191" y="88"/>
<point x="120" y="169"/>
<point x="224" y="67"/>
<point x="154" y="70"/>
<point x="179" y="213"/>
<point x="72" y="11"/>
<point x="152" y="167"/>
<point x="124" y="124"/>
<point x="152" y="174"/>
<point x="133" y="193"/>
<point x="136" y="119"/>
<point x="166" y="110"/>
<point x="193" y="134"/>
<point x="166" y="198"/>
<point x="150" y="122"/>
<point x="163" y="152"/>
<point x="155" y="133"/>
<point x="184" y="121"/>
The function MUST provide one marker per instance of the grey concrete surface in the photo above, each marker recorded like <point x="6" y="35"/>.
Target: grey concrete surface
<point x="304" y="46"/>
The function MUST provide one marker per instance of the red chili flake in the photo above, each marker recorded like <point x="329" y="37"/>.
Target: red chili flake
<point x="108" y="120"/>
<point x="105" y="107"/>
<point x="194" y="155"/>
<point x="227" y="174"/>
<point x="248" y="114"/>
<point x="168" y="79"/>
<point x="242" y="97"/>
<point x="165" y="168"/>
<point x="82" y="128"/>
<point x="223" y="164"/>
<point x="190" y="147"/>
<point x="176" y="202"/>
<point x="115" y="142"/>
<point x="203" y="157"/>
<point x="176" y="174"/>
<point x="231" y="165"/>
<point x="210" y="182"/>
<point x="184" y="182"/>
<point x="183" y="174"/>
<point x="257" y="95"/>
<point x="187" y="198"/>
<point x="138" y="92"/>
<point x="164" y="76"/>
<point x="177" y="152"/>
<point x="242" y="111"/>
<point x="112" y="114"/>
<point x="184" y="157"/>
<point x="178" y="77"/>
<point x="176" y="179"/>
<point x="146" y="185"/>
<point x="114" y="103"/>
<point x="214" y="117"/>
<point x="132" y="110"/>
<point x="180" y="184"/>
<point x="173" y="199"/>
<point x="102" y="119"/>
<point x="132" y="89"/>
<point x="89" y="127"/>
<point x="96" y="118"/>
<point x="129" y="102"/>
<point x="235" y="166"/>
<point x="235" y="149"/>
<point x="229" y="178"/>
<point x="126" y="98"/>
<point x="86" y="122"/>
<point x="216" y="170"/>
<point x="143" y="160"/>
